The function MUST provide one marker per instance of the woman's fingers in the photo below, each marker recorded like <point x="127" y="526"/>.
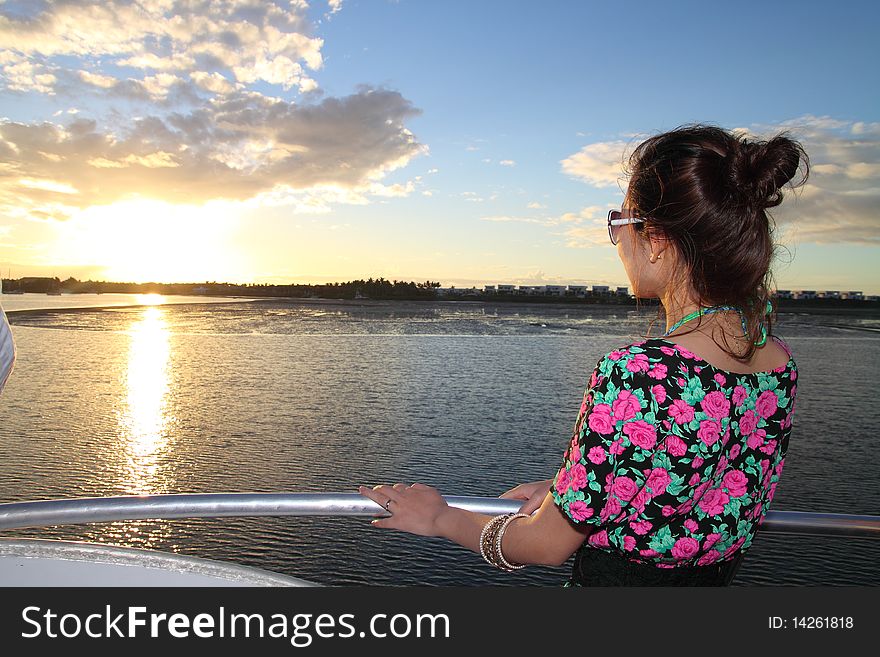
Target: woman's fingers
<point x="531" y="505"/>
<point x="379" y="494"/>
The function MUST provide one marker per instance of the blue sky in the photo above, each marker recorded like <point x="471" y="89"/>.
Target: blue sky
<point x="465" y="142"/>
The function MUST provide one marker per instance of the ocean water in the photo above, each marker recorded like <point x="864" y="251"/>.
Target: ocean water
<point x="320" y="396"/>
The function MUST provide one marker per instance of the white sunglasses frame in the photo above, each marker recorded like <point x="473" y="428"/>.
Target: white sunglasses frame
<point x="623" y="221"/>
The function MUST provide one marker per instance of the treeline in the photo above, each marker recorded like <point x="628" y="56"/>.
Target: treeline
<point x="378" y="288"/>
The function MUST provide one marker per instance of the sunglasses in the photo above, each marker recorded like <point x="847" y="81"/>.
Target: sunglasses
<point x="616" y="219"/>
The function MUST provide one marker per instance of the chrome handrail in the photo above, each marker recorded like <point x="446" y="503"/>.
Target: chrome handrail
<point x="44" y="513"/>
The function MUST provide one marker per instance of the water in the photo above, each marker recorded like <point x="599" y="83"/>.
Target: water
<point x="312" y="396"/>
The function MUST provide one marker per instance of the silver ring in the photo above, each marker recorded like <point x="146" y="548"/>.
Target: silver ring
<point x="386" y="505"/>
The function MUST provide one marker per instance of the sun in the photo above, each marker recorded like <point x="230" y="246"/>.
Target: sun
<point x="143" y="241"/>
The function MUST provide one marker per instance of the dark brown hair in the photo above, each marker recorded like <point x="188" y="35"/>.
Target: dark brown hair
<point x="708" y="191"/>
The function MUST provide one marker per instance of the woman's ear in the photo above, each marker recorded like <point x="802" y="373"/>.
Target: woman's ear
<point x="660" y="245"/>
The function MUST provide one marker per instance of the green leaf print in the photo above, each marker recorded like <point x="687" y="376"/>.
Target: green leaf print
<point x="663" y="540"/>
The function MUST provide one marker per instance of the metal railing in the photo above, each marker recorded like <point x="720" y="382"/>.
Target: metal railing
<point x="44" y="513"/>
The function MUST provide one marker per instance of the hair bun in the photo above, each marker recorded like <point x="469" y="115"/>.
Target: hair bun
<point x="761" y="168"/>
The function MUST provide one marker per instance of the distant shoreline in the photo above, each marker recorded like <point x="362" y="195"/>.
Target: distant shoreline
<point x="786" y="306"/>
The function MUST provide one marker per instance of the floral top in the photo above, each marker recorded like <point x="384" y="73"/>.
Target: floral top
<point x="674" y="460"/>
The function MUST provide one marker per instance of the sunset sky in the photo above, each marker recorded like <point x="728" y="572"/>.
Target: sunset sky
<point x="466" y="142"/>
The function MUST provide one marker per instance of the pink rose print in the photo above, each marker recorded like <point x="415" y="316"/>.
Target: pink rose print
<point x="778" y="469"/>
<point x="715" y="404"/>
<point x="720" y="379"/>
<point x="600" y="419"/>
<point x="697" y="369"/>
<point x="736" y="546"/>
<point x="756" y="439"/>
<point x="734" y="451"/>
<point x="736" y="482"/>
<point x="695" y="479"/>
<point x="617" y="447"/>
<point x="675" y="445"/>
<point x="767" y="404"/>
<point x="712" y="503"/>
<point x="726" y="436"/>
<point x="658" y="480"/>
<point x="625" y="406"/>
<point x="599" y="538"/>
<point x="648" y="553"/>
<point x="748" y="423"/>
<point x="578" y="477"/>
<point x="641" y="433"/>
<point x="629" y="543"/>
<point x="624" y="487"/>
<point x="667" y="511"/>
<point x="597" y="455"/>
<point x="616" y="355"/>
<point x="579" y="510"/>
<point x="584" y="407"/>
<point x="709" y="557"/>
<point x="638" y="363"/>
<point x="769" y="447"/>
<point x="659" y="393"/>
<point x="685" y="548"/>
<point x="699" y="490"/>
<point x="680" y="382"/>
<point x="739" y="395"/>
<point x="669" y="351"/>
<point x="687" y="506"/>
<point x="697" y="462"/>
<point x="709" y="431"/>
<point x="640" y="527"/>
<point x="658" y="371"/>
<point x="611" y="508"/>
<point x="771" y="492"/>
<point x="681" y="411"/>
<point x="685" y="353"/>
<point x="793" y="376"/>
<point x="593" y="379"/>
<point x="711" y="540"/>
<point x="563" y="481"/>
<point x="722" y="464"/>
<point x="691" y="526"/>
<point x="640" y="500"/>
<point x="575" y="451"/>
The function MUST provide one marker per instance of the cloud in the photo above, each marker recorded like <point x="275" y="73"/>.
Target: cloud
<point x="507" y="163"/>
<point x="534" y="205"/>
<point x="255" y="40"/>
<point x="600" y="164"/>
<point x="206" y="126"/>
<point x="232" y="149"/>
<point x="507" y="219"/>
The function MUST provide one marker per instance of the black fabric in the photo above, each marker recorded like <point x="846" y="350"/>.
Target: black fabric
<point x="594" y="567"/>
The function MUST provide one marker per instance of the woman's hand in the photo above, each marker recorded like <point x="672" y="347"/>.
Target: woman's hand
<point x="416" y="509"/>
<point x="533" y="493"/>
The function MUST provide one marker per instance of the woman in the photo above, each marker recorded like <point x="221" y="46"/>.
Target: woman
<point x="680" y="440"/>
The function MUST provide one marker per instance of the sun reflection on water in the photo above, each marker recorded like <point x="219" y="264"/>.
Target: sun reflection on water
<point x="144" y="424"/>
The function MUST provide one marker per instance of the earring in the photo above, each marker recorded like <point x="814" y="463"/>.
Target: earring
<point x="654" y="258"/>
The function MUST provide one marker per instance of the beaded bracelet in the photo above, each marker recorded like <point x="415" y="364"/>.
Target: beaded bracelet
<point x="503" y="563"/>
<point x="487" y="539"/>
